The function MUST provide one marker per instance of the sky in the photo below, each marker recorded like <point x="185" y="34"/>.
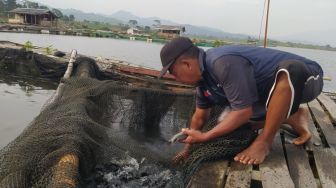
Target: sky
<point x="301" y="19"/>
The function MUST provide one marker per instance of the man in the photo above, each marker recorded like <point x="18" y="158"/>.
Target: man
<point x="259" y="84"/>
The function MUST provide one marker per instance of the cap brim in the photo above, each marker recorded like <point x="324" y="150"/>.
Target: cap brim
<point x="165" y="69"/>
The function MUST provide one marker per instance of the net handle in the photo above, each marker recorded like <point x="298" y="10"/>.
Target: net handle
<point x="68" y="72"/>
<point x="66" y="171"/>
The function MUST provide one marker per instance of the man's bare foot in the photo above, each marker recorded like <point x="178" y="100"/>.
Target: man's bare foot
<point x="182" y="155"/>
<point x="299" y="122"/>
<point x="254" y="154"/>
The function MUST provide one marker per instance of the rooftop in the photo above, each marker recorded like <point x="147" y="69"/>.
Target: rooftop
<point x="32" y="11"/>
<point x="170" y="27"/>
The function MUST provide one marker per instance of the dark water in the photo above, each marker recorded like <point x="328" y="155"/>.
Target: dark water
<point x="21" y="99"/>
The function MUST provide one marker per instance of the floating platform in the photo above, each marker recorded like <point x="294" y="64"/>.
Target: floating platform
<point x="310" y="166"/>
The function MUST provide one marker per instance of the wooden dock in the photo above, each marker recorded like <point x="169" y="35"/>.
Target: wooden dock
<point x="310" y="166"/>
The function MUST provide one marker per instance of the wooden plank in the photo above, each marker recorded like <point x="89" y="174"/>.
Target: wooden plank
<point x="239" y="176"/>
<point x="325" y="160"/>
<point x="299" y="168"/>
<point x="324" y="122"/>
<point x="210" y="175"/>
<point x="315" y="140"/>
<point x="329" y="104"/>
<point x="274" y="171"/>
<point x="256" y="175"/>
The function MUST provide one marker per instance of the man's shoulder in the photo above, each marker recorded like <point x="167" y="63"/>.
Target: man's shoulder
<point x="225" y="63"/>
<point x="230" y="59"/>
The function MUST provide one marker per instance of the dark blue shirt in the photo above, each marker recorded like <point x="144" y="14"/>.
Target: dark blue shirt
<point x="241" y="76"/>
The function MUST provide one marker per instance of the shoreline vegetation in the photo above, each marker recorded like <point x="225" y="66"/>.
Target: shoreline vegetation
<point x="68" y="25"/>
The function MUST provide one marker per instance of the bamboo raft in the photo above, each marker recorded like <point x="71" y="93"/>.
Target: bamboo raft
<point x="310" y="166"/>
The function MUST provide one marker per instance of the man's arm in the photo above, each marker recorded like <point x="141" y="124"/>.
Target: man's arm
<point x="199" y="118"/>
<point x="231" y="122"/>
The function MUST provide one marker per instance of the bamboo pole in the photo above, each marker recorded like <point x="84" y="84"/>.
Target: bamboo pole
<point x="66" y="172"/>
<point x="57" y="95"/>
<point x="266" y="27"/>
<point x="68" y="72"/>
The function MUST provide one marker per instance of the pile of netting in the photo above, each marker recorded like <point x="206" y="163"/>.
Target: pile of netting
<point x="90" y="121"/>
<point x="224" y="147"/>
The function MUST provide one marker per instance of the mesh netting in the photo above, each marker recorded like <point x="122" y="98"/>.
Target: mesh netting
<point x="88" y="121"/>
<point x="224" y="147"/>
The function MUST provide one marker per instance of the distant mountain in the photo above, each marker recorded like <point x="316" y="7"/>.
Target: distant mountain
<point x="190" y="29"/>
<point x="211" y="32"/>
<point x="81" y="16"/>
<point x="125" y="16"/>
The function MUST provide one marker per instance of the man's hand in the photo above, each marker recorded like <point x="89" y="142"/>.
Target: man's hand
<point x="194" y="136"/>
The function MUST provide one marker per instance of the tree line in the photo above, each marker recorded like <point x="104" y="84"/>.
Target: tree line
<point x="8" y="5"/>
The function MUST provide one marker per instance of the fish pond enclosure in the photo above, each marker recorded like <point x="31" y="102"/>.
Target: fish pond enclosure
<point x="108" y="125"/>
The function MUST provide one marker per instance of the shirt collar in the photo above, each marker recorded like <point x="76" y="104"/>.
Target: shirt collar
<point x="201" y="59"/>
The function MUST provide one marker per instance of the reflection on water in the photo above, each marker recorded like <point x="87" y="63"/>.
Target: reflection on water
<point x="21" y="99"/>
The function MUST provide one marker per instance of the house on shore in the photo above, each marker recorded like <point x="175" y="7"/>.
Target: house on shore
<point x="170" y="31"/>
<point x="31" y="16"/>
<point x="133" y="31"/>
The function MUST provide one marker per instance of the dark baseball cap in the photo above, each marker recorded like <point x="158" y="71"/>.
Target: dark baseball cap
<point x="172" y="50"/>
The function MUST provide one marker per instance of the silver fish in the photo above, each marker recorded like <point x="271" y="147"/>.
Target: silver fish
<point x="177" y="137"/>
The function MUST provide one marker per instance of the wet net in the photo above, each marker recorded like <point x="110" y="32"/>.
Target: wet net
<point x="90" y="121"/>
<point x="224" y="147"/>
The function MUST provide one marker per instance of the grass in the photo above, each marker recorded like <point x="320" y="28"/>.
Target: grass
<point x="28" y="46"/>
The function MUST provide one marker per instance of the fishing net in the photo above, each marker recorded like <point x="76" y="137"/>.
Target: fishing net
<point x="224" y="147"/>
<point x="90" y="120"/>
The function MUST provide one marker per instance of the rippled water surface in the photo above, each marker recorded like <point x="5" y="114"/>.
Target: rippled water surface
<point x="147" y="54"/>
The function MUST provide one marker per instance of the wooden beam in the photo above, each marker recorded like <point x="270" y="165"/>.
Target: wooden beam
<point x="274" y="170"/>
<point x="329" y="104"/>
<point x="299" y="168"/>
<point x="239" y="176"/>
<point x="315" y="140"/>
<point x="209" y="174"/>
<point x="325" y="164"/>
<point x="324" y="122"/>
<point x="323" y="157"/>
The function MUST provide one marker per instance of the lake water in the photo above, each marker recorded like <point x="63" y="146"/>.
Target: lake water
<point x="21" y="102"/>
